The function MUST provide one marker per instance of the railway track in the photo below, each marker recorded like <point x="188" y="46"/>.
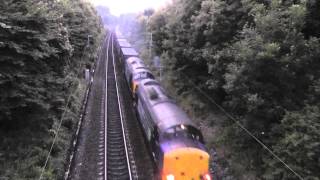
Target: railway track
<point x="110" y="145"/>
<point x="117" y="160"/>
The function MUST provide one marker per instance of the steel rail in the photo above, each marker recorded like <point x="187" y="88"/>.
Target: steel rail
<point x="120" y="109"/>
<point x="105" y="111"/>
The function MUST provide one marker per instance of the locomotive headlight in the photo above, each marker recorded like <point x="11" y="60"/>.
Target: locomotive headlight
<point x="206" y="176"/>
<point x="170" y="177"/>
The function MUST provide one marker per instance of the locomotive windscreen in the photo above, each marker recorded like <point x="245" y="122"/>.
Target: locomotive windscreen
<point x="183" y="131"/>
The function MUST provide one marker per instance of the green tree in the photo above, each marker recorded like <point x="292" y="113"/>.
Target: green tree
<point x="41" y="54"/>
<point x="258" y="58"/>
<point x="299" y="146"/>
<point x="312" y="19"/>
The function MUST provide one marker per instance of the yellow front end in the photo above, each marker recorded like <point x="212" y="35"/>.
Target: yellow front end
<point x="186" y="164"/>
<point x="134" y="86"/>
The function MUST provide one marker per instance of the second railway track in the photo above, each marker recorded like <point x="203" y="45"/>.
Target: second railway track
<point x="117" y="160"/>
<point x="110" y="145"/>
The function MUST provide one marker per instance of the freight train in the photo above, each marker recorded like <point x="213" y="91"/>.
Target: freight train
<point x="176" y="144"/>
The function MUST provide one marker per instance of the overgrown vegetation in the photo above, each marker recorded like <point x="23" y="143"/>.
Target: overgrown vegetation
<point x="260" y="60"/>
<point x="44" y="48"/>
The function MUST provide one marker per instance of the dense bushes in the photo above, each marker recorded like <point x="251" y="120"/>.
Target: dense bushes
<point x="43" y="50"/>
<point x="260" y="60"/>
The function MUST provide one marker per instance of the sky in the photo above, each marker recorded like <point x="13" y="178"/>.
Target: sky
<point x="118" y="7"/>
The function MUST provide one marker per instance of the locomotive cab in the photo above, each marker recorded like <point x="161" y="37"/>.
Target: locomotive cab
<point x="175" y="142"/>
<point x="135" y="71"/>
<point x="183" y="154"/>
<point x="139" y="75"/>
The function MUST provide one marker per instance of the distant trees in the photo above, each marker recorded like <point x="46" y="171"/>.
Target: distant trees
<point x="106" y="16"/>
<point x="43" y="50"/>
<point x="260" y="60"/>
<point x="148" y="12"/>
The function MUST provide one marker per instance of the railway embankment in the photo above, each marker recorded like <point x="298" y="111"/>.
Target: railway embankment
<point x="44" y="49"/>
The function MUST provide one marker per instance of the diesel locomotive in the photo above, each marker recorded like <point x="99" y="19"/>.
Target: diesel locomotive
<point x="135" y="70"/>
<point x="176" y="144"/>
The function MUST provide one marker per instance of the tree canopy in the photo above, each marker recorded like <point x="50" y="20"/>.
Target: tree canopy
<point x="43" y="51"/>
<point x="260" y="60"/>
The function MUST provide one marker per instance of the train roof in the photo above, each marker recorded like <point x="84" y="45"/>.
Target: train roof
<point x="124" y="44"/>
<point x="133" y="60"/>
<point x="136" y="63"/>
<point x="118" y="34"/>
<point x="138" y="67"/>
<point x="164" y="111"/>
<point x="121" y="39"/>
<point x="140" y="70"/>
<point x="170" y="115"/>
<point x="129" y="52"/>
